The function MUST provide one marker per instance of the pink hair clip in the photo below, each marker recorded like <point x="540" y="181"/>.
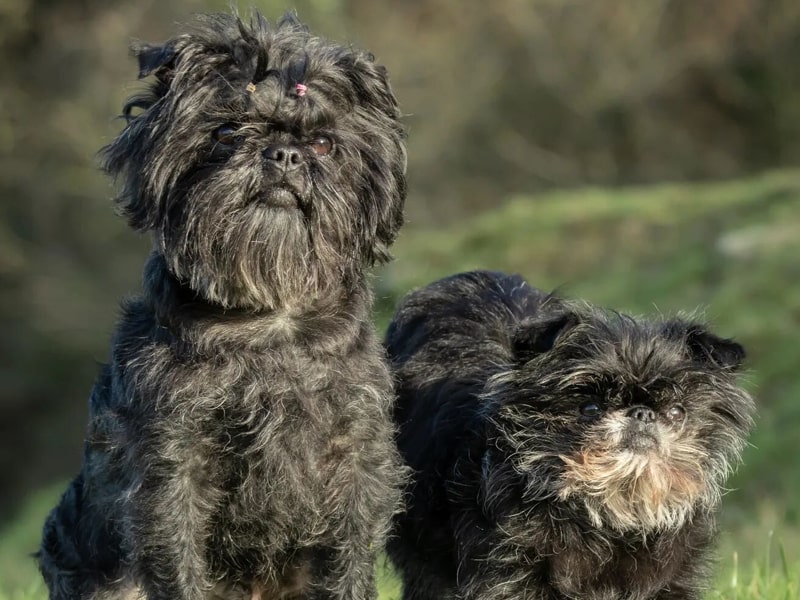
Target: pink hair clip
<point x="300" y="89"/>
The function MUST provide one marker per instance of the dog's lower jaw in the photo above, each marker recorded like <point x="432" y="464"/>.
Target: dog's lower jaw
<point x="281" y="198"/>
<point x="634" y="491"/>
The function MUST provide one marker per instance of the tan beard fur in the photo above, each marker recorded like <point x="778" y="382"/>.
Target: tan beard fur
<point x="631" y="490"/>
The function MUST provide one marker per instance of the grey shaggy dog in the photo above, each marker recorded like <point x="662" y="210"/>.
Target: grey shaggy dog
<point x="560" y="450"/>
<point x="240" y="443"/>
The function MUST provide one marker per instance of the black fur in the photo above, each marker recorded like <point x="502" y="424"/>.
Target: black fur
<point x="560" y="451"/>
<point x="240" y="443"/>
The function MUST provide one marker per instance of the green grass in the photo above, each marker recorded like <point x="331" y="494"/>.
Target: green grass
<point x="729" y="249"/>
<point x="773" y="576"/>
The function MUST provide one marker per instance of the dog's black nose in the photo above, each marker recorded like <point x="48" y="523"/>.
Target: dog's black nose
<point x="642" y="413"/>
<point x="284" y="156"/>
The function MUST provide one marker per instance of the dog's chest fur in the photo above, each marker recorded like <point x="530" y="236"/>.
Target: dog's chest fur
<point x="281" y="436"/>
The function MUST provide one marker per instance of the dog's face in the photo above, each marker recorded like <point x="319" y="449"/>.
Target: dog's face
<point x="268" y="162"/>
<point x="638" y="422"/>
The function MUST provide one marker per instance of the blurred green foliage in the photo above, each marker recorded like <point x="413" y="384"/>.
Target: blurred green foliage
<point x="502" y="99"/>
<point x="540" y="132"/>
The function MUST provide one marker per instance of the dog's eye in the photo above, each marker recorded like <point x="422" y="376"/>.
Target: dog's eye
<point x="591" y="409"/>
<point x="321" y="146"/>
<point x="225" y="135"/>
<point x="676" y="413"/>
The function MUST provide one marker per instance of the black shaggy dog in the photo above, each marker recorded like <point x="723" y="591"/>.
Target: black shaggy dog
<point x="561" y="451"/>
<point x="240" y="442"/>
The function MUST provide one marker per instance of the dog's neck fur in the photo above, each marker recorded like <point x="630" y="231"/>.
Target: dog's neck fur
<point x="324" y="325"/>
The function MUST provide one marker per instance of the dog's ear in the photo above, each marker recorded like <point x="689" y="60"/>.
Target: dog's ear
<point x="706" y="347"/>
<point x="390" y="217"/>
<point x="539" y="335"/>
<point x="386" y="138"/>
<point x="157" y="60"/>
<point x="375" y="89"/>
<point x="371" y="82"/>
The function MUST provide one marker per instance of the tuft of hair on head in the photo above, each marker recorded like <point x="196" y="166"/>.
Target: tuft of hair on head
<point x="257" y="36"/>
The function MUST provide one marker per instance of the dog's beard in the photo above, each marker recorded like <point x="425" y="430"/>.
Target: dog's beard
<point x="244" y="243"/>
<point x="643" y="489"/>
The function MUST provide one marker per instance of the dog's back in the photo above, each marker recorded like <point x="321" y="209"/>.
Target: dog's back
<point x="443" y="329"/>
<point x="445" y="341"/>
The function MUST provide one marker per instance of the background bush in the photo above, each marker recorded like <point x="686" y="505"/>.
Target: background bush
<point x="541" y="135"/>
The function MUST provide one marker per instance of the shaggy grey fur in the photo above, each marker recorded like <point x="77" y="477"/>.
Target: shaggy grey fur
<point x="560" y="450"/>
<point x="239" y="442"/>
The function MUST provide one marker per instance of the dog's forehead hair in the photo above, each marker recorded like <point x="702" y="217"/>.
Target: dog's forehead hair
<point x="271" y="103"/>
<point x="290" y="77"/>
<point x="622" y="358"/>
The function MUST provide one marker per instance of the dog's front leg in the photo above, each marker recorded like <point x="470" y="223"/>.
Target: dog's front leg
<point x="348" y="574"/>
<point x="347" y="571"/>
<point x="169" y="522"/>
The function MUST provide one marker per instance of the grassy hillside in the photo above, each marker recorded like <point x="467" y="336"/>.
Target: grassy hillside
<point x="731" y="250"/>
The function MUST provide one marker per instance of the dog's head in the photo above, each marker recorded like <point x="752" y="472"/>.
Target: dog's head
<point x="639" y="422"/>
<point x="268" y="162"/>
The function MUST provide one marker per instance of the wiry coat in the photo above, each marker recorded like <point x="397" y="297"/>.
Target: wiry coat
<point x="240" y="443"/>
<point x="559" y="450"/>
